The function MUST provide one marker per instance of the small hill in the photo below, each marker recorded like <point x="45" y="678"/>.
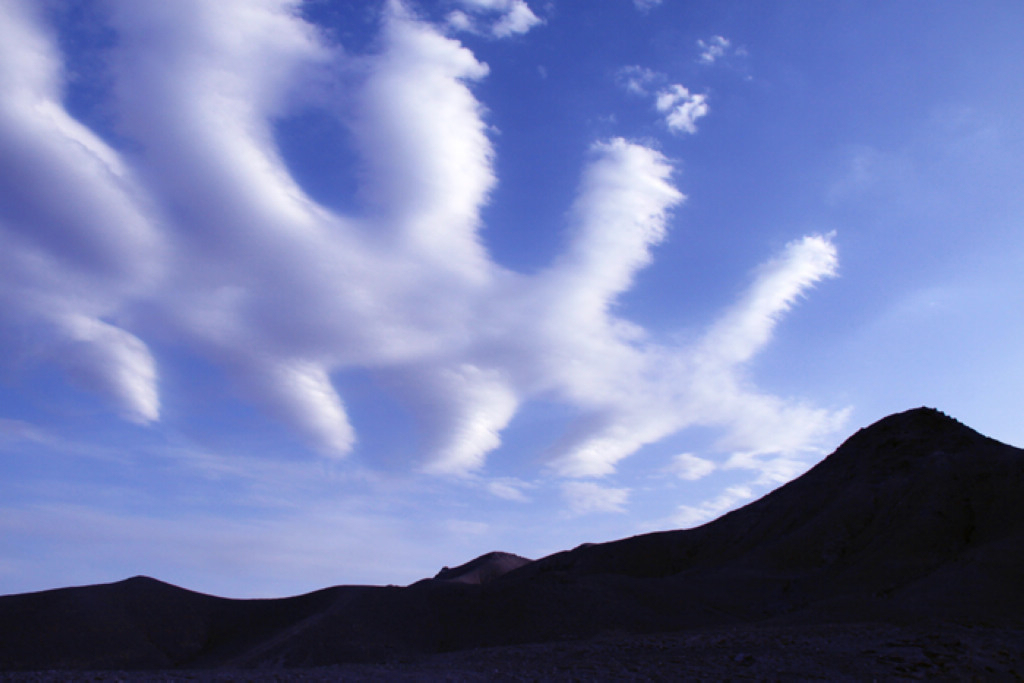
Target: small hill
<point x="483" y="569"/>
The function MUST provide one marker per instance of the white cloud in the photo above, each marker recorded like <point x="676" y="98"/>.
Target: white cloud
<point x="681" y="108"/>
<point x="713" y="49"/>
<point x="466" y="408"/>
<point x="693" y="515"/>
<point x="111" y="362"/>
<point x="619" y="215"/>
<point x="586" y="497"/>
<point x="202" y="238"/>
<point x="460" y="21"/>
<point x="75" y="242"/>
<point x="748" y="325"/>
<point x="669" y="389"/>
<point x="515" y="17"/>
<point x="518" y="19"/>
<point x="424" y="141"/>
<point x="300" y="392"/>
<point x="690" y="467"/>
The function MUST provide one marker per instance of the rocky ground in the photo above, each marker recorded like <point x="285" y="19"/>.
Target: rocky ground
<point x="861" y="652"/>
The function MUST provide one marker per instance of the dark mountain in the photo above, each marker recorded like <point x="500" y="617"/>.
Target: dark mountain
<point x="483" y="569"/>
<point x="915" y="519"/>
<point x="912" y="492"/>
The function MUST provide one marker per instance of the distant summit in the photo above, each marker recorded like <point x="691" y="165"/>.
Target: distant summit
<point x="483" y="569"/>
<point x="897" y="441"/>
<point x="916" y="519"/>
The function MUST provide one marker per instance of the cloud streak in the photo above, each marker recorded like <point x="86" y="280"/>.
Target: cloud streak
<point x="77" y="243"/>
<point x="198" y="235"/>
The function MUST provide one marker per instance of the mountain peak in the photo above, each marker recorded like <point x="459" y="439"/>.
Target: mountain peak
<point x="904" y="440"/>
<point x="483" y="569"/>
<point x="918" y="422"/>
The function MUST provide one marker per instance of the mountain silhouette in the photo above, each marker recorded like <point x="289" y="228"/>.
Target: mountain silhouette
<point x="916" y="519"/>
<point x="483" y="569"/>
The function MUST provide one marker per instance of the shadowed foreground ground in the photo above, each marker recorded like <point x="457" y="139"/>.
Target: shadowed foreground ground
<point x="855" y="652"/>
<point x="901" y="555"/>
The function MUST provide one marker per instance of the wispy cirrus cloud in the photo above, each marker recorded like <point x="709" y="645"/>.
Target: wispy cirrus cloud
<point x="197" y="234"/>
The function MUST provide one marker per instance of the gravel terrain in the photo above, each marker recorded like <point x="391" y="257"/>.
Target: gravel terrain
<point x="859" y="652"/>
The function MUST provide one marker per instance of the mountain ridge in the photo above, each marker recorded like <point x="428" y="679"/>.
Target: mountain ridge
<point x="913" y="519"/>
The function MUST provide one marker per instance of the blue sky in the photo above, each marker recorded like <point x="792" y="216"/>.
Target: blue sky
<point x="303" y="294"/>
